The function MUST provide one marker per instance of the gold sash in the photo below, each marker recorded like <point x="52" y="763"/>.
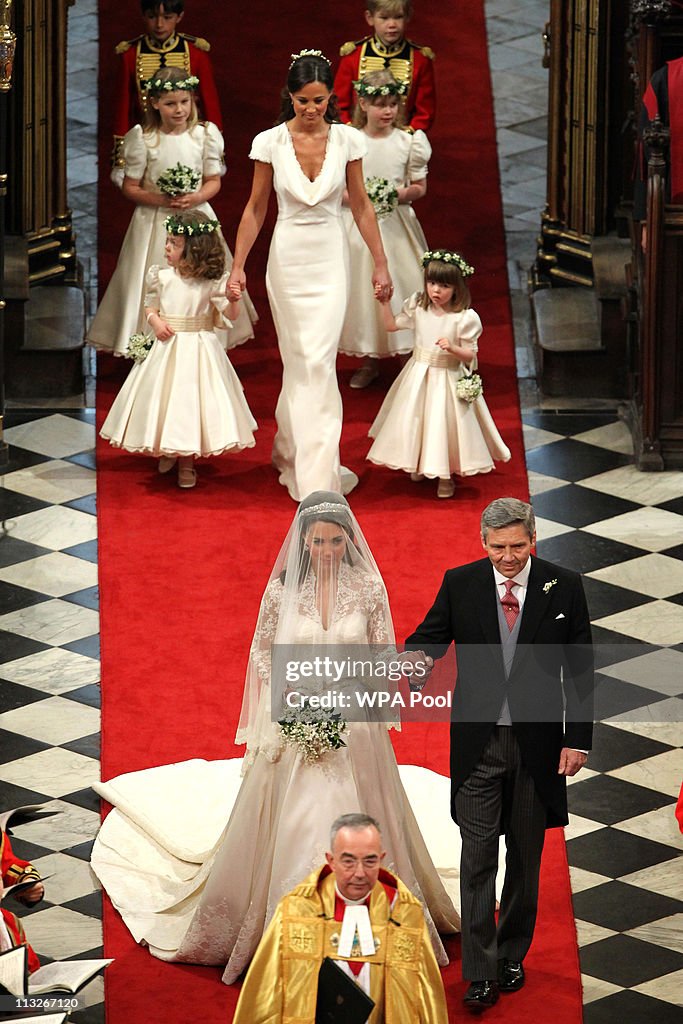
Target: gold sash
<point x="189" y="323"/>
<point x="436" y="357"/>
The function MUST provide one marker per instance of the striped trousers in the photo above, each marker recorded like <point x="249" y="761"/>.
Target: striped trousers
<point x="499" y="796"/>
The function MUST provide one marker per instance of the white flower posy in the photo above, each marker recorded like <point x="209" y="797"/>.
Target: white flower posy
<point x="313" y="731"/>
<point x="383" y="196"/>
<point x="469" y="387"/>
<point x="178" y="180"/>
<point x="139" y="346"/>
<point x="548" y="585"/>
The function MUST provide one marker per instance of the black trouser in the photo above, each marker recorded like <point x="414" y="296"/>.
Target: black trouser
<point x="498" y="796"/>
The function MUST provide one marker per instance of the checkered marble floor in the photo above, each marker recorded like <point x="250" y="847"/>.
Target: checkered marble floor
<point x="49" y="677"/>
<point x="623" y="530"/>
<point x="596" y="513"/>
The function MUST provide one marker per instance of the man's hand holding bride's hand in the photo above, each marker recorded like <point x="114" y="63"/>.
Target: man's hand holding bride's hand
<point x="420" y="668"/>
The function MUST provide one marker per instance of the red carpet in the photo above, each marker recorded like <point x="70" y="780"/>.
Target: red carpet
<point x="182" y="573"/>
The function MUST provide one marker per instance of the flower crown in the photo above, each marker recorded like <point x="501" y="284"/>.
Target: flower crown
<point x="156" y="85"/>
<point x="175" y="226"/>
<point x="390" y="89"/>
<point x="446" y="256"/>
<point x="308" y="53"/>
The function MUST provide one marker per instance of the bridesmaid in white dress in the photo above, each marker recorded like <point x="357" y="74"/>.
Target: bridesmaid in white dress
<point x="172" y="135"/>
<point x="401" y="158"/>
<point x="309" y="158"/>
<point x="198" y="896"/>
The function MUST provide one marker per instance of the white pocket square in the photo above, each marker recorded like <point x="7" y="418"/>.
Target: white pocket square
<point x="560" y="616"/>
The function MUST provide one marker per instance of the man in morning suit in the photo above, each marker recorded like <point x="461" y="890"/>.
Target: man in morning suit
<point x="521" y="722"/>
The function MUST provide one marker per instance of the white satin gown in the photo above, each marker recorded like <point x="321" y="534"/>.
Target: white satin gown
<point x="146" y="156"/>
<point x="400" y="158"/>
<point x="185" y="398"/>
<point x="308" y="288"/>
<point x="422" y="425"/>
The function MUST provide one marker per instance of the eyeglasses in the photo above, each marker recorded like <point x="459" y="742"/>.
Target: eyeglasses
<point x="368" y="863"/>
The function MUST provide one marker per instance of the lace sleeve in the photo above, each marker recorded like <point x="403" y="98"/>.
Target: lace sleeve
<point x="264" y="635"/>
<point x="378" y="616"/>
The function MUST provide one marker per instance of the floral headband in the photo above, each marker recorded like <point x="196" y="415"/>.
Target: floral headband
<point x="188" y="84"/>
<point x="390" y="89"/>
<point x="446" y="256"/>
<point x="308" y="53"/>
<point x="175" y="226"/>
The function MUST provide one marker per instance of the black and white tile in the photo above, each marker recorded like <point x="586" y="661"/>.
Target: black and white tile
<point x="596" y="513"/>
<point x="620" y="528"/>
<point x="49" y="692"/>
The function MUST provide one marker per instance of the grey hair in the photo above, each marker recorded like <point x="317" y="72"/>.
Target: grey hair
<point x="356" y="822"/>
<point x="506" y="512"/>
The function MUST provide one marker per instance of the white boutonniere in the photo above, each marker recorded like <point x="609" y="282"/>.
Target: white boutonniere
<point x="548" y="585"/>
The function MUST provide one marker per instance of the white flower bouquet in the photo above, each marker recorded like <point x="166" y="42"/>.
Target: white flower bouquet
<point x="313" y="731"/>
<point x="383" y="196"/>
<point x="178" y="181"/>
<point x="138" y="347"/>
<point x="469" y="387"/>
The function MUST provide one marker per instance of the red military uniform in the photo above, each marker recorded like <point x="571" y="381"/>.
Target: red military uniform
<point x="407" y="61"/>
<point x="13" y="869"/>
<point x="141" y="58"/>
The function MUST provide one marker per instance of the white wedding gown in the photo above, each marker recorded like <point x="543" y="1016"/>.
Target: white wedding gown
<point x="197" y="891"/>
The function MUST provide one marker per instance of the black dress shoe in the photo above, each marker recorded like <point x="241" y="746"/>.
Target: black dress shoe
<point x="510" y="975"/>
<point x="480" y="995"/>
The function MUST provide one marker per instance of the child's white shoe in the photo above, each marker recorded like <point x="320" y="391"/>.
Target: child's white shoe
<point x="363" y="377"/>
<point x="166" y="463"/>
<point x="446" y="488"/>
<point x="187" y="477"/>
<point x="416" y="477"/>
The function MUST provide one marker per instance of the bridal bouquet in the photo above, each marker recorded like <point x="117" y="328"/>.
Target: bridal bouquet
<point x="314" y="731"/>
<point x="178" y="181"/>
<point x="138" y="347"/>
<point x="469" y="387"/>
<point x="383" y="196"/>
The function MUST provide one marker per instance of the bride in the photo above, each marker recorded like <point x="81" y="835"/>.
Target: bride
<point x="197" y="892"/>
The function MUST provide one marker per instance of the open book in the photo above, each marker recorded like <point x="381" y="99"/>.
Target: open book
<point x="43" y="1018"/>
<point x="19" y="887"/>
<point x="26" y="811"/>
<point x="61" y="976"/>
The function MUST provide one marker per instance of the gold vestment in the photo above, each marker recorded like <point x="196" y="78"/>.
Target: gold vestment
<point x="281" y="985"/>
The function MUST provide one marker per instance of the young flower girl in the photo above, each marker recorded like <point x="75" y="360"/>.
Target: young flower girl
<point x="434" y="421"/>
<point x="395" y="171"/>
<point x="184" y="400"/>
<point x="172" y="163"/>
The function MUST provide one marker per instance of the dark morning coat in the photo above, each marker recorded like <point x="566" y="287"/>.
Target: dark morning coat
<point x="553" y="655"/>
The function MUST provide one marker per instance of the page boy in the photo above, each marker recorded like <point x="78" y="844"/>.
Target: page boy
<point x="387" y="47"/>
<point x="160" y="45"/>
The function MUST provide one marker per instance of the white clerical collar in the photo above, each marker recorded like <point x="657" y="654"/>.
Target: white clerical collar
<point x="521" y="579"/>
<point x="350" y="902"/>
